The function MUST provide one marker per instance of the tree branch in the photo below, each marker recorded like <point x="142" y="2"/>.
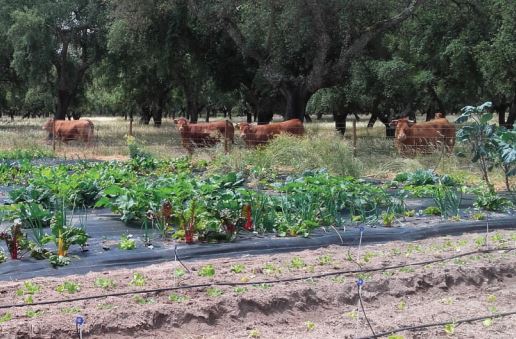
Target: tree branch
<point x="319" y="68"/>
<point x="370" y="33"/>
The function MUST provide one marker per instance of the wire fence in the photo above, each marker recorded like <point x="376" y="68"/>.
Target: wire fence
<point x="110" y="140"/>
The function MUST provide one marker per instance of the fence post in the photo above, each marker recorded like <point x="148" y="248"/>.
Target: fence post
<point x="54" y="136"/>
<point x="226" y="150"/>
<point x="354" y="137"/>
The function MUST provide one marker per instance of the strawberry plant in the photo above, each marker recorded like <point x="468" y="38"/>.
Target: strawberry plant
<point x="137" y="280"/>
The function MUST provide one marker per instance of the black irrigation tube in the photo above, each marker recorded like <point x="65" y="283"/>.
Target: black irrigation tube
<point x="461" y="321"/>
<point x="277" y="281"/>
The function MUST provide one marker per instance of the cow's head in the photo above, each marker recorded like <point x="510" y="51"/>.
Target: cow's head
<point x="439" y="115"/>
<point x="245" y="129"/>
<point x="48" y="126"/>
<point x="402" y="125"/>
<point x="180" y="122"/>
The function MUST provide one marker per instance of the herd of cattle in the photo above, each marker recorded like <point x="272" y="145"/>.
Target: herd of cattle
<point x="410" y="137"/>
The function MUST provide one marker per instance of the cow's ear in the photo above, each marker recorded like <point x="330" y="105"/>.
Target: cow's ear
<point x="237" y="125"/>
<point x="393" y="123"/>
<point x="175" y="121"/>
<point x="411" y="123"/>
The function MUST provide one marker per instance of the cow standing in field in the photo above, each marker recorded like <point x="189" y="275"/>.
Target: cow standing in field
<point x="424" y="137"/>
<point x="204" y="134"/>
<point x="254" y="135"/>
<point x="70" y="130"/>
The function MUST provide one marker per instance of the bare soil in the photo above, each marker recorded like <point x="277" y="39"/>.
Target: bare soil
<point x="466" y="287"/>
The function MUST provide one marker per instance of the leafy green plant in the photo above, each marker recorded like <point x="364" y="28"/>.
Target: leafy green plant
<point x="64" y="235"/>
<point x="310" y="326"/>
<point x="104" y="283"/>
<point x="254" y="333"/>
<point x="28" y="288"/>
<point x="214" y="292"/>
<point x="238" y="268"/>
<point x="6" y="317"/>
<point x="126" y="243"/>
<point x="409" y="214"/>
<point x="478" y="216"/>
<point x="207" y="271"/>
<point x="240" y="290"/>
<point x="178" y="298"/>
<point x="487" y="199"/>
<point x="58" y="260"/>
<point x="33" y="314"/>
<point x="137" y="280"/>
<point x="432" y="210"/>
<point x="297" y="263"/>
<point x="69" y="287"/>
<point x="271" y="269"/>
<point x="487" y="322"/>
<point x="478" y="136"/>
<point x="449" y="328"/>
<point x="179" y="272"/>
<point x="71" y="310"/>
<point x="325" y="260"/>
<point x="143" y="301"/>
<point x="388" y="218"/>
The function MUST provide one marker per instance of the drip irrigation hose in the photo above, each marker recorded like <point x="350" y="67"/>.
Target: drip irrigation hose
<point x="234" y="284"/>
<point x="461" y="321"/>
<point x="363" y="310"/>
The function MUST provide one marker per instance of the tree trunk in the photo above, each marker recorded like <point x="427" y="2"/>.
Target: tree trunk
<point x="297" y="97"/>
<point x="146" y="115"/>
<point x="64" y="99"/>
<point x="157" y="116"/>
<point x="340" y="122"/>
<point x="512" y="114"/>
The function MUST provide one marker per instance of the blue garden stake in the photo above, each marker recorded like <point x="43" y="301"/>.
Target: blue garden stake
<point x="360" y="282"/>
<point x="79" y="322"/>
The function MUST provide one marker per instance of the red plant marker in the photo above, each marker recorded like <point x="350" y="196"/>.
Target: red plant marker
<point x="249" y="221"/>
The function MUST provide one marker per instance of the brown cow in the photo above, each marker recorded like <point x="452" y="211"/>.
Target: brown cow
<point x="204" y="134"/>
<point x="424" y="137"/>
<point x="254" y="135"/>
<point x="70" y="130"/>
